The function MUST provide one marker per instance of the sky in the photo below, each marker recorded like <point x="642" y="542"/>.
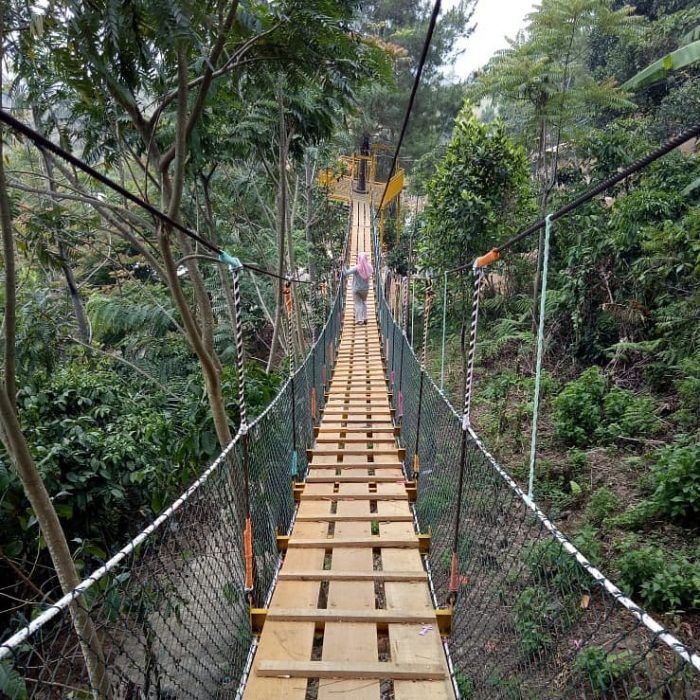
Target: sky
<point x="495" y="20"/>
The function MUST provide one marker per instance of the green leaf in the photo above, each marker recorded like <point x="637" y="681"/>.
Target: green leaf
<point x="680" y="58"/>
<point x="11" y="683"/>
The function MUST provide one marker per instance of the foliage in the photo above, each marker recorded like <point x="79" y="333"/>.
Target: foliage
<point x="677" y="477"/>
<point x="465" y="685"/>
<point x="578" y="409"/>
<point x="628" y="415"/>
<point x="660" y="582"/>
<point x="479" y="191"/>
<point x="12" y="684"/>
<point x="533" y="615"/>
<point x="601" y="669"/>
<point x="602" y="504"/>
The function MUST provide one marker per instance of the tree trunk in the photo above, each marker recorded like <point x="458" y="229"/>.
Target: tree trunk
<point x="68" y="578"/>
<point x="18" y="450"/>
<point x="298" y="332"/>
<point x="309" y="172"/>
<point x="77" y="301"/>
<point x="200" y="340"/>
<point x="277" y="332"/>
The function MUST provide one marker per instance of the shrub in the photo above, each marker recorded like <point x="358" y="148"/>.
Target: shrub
<point x="677" y="476"/>
<point x="532" y="618"/>
<point x="602" y="669"/>
<point x="689" y="391"/>
<point x="658" y="582"/>
<point x="465" y="685"/>
<point x="636" y="516"/>
<point x="628" y="415"/>
<point x="601" y="505"/>
<point x="578" y="409"/>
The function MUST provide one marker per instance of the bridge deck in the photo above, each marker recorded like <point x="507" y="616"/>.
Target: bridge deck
<point x="351" y="615"/>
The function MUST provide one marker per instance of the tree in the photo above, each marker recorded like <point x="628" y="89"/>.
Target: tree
<point x="545" y="71"/>
<point x="401" y="26"/>
<point x="479" y="192"/>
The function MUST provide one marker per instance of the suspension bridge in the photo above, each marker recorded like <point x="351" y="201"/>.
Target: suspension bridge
<point x="394" y="559"/>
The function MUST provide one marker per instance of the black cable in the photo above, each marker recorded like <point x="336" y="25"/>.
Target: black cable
<point x="684" y="136"/>
<point x="42" y="142"/>
<point x="411" y="100"/>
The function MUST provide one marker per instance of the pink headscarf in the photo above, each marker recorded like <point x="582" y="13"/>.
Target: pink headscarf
<point x="364" y="266"/>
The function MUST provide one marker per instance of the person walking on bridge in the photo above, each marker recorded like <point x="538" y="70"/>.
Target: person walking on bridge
<point x="361" y="275"/>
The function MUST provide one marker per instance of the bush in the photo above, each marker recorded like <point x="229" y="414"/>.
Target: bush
<point x="578" y="410"/>
<point x="601" y="505"/>
<point x="602" y="669"/>
<point x="677" y="476"/>
<point x="628" y="415"/>
<point x="689" y="391"/>
<point x="636" y="516"/>
<point x="658" y="582"/>
<point x="532" y="618"/>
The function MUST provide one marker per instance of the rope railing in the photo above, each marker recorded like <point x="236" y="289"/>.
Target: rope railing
<point x="172" y="606"/>
<point x="533" y="618"/>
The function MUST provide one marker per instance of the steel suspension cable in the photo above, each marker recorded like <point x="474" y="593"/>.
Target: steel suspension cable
<point x="672" y="144"/>
<point x="412" y="98"/>
<point x="44" y="143"/>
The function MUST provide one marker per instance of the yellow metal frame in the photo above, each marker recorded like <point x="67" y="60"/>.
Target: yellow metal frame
<point x="338" y="181"/>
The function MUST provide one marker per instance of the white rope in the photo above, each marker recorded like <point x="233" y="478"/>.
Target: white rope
<point x="540" y="351"/>
<point x="658" y="631"/>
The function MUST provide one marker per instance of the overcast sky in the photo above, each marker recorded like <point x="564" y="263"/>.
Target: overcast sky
<point x="495" y="20"/>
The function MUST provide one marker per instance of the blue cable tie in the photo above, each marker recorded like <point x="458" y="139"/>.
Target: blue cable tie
<point x="230" y="260"/>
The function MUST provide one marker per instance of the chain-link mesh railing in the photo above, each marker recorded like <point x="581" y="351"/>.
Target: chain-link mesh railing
<point x="533" y="618"/>
<point x="170" y="611"/>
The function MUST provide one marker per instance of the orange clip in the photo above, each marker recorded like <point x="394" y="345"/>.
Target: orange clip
<point x="288" y="297"/>
<point x="314" y="402"/>
<point x="454" y="577"/>
<point x="248" y="553"/>
<point x="493" y="255"/>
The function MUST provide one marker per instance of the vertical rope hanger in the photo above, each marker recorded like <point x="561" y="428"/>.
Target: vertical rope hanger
<point x="289" y="306"/>
<point x="235" y="267"/>
<point x="404" y="288"/>
<point x="540" y="352"/>
<point x="427" y="305"/>
<point x="478" y="270"/>
<point x="444" y="333"/>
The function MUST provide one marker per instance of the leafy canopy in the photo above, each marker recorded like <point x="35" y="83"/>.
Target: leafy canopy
<point x="478" y="195"/>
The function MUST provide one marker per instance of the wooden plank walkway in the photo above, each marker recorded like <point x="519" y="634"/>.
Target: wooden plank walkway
<point x="351" y="616"/>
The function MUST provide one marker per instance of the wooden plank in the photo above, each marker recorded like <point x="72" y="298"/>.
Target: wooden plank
<point x="342" y="479"/>
<point x="355" y="641"/>
<point x="347" y="669"/>
<point x="371" y="541"/>
<point x="352" y="497"/>
<point x="333" y="575"/>
<point x="284" y="640"/>
<point x="410" y="644"/>
<point x="323" y="615"/>
<point x="372" y="517"/>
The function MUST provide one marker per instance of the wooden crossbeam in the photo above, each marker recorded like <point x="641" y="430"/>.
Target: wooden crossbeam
<point x="335" y="542"/>
<point x="319" y="615"/>
<point x="348" y="669"/>
<point x="353" y="575"/>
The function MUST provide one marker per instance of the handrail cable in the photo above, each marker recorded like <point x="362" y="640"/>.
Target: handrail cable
<point x="42" y="142"/>
<point x="672" y="144"/>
